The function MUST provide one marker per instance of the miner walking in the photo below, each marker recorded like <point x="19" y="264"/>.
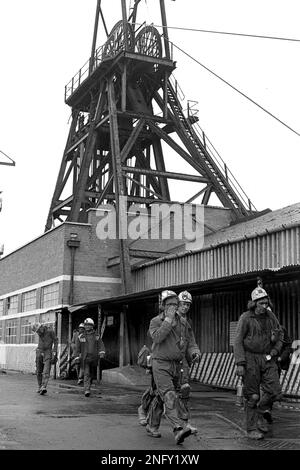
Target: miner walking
<point x="46" y="354"/>
<point x="258" y="342"/>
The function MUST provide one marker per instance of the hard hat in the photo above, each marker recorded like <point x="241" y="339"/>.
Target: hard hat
<point x="258" y="293"/>
<point x="166" y="294"/>
<point x="81" y="325"/>
<point x="89" y="321"/>
<point x="36" y="326"/>
<point x="185" y="296"/>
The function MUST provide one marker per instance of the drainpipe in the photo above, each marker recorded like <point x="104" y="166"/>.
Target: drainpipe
<point x="72" y="243"/>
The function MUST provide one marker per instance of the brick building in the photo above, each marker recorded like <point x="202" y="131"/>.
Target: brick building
<point x="66" y="266"/>
<point x="38" y="282"/>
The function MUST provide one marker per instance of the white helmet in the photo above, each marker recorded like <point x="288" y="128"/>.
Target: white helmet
<point x="185" y="296"/>
<point x="166" y="294"/>
<point x="36" y="326"/>
<point x="258" y="293"/>
<point x="82" y="325"/>
<point x="89" y="321"/>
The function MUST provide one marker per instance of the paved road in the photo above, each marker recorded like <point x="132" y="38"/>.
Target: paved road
<point x="65" y="419"/>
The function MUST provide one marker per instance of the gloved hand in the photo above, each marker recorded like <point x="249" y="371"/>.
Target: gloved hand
<point x="240" y="371"/>
<point x="195" y="357"/>
<point x="77" y="360"/>
<point x="101" y="354"/>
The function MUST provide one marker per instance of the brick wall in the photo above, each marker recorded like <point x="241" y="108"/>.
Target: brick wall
<point x="35" y="262"/>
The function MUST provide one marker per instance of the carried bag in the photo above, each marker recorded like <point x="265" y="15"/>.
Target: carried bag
<point x="143" y="354"/>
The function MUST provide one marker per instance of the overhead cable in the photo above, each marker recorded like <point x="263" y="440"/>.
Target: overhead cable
<point x="236" y="89"/>
<point x="258" y="36"/>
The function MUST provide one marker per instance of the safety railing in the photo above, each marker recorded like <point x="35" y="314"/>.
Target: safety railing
<point x="189" y="112"/>
<point x="103" y="52"/>
<point x="227" y="173"/>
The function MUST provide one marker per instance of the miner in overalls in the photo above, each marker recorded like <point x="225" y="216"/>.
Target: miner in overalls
<point x="89" y="349"/>
<point x="258" y="342"/>
<point x="46" y="354"/>
<point x="184" y="305"/>
<point x="172" y="342"/>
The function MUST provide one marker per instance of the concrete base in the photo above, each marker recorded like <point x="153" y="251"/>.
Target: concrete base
<point x="126" y="375"/>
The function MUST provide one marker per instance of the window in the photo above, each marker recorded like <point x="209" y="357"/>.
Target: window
<point x="29" y="301"/>
<point x="12" y="304"/>
<point x="50" y="295"/>
<point x="1" y="307"/>
<point x="27" y="335"/>
<point x="1" y="331"/>
<point x="11" y="331"/>
<point x="48" y="319"/>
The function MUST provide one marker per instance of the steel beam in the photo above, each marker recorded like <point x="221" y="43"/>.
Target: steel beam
<point x="167" y="174"/>
<point x="87" y="158"/>
<point x="58" y="190"/>
<point x="119" y="187"/>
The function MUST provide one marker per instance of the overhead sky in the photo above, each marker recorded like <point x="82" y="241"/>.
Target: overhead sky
<point x="43" y="44"/>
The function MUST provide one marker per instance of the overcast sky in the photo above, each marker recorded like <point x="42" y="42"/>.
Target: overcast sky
<point x="43" y="44"/>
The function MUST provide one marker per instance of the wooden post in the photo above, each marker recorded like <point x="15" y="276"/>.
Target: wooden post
<point x="121" y="350"/>
<point x="58" y="334"/>
<point x="126" y="337"/>
<point x="98" y="331"/>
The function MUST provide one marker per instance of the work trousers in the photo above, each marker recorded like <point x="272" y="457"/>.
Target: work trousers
<point x="89" y="373"/>
<point x="261" y="387"/>
<point x="43" y="366"/>
<point x="79" y="371"/>
<point x="168" y="376"/>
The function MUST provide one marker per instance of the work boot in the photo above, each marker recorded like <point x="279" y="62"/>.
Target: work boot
<point x="181" y="433"/>
<point x="142" y="416"/>
<point x="262" y="425"/>
<point x="268" y="417"/>
<point x="79" y="381"/>
<point x="87" y="393"/>
<point x="192" y="428"/>
<point x="152" y="431"/>
<point x="255" y="435"/>
<point x="43" y="390"/>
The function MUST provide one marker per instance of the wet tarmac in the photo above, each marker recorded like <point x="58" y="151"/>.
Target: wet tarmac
<point x="64" y="419"/>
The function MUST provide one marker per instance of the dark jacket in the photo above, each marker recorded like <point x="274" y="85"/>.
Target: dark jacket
<point x="259" y="334"/>
<point x="47" y="339"/>
<point x="172" y="343"/>
<point x="89" y="345"/>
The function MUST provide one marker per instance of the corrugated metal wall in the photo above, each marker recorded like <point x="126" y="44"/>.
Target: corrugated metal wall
<point x="286" y="299"/>
<point x="212" y="313"/>
<point x="269" y="251"/>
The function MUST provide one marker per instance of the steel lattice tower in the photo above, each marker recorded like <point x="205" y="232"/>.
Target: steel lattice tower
<point x="114" y="147"/>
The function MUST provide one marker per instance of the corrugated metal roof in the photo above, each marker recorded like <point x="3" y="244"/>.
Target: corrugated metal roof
<point x="269" y="222"/>
<point x="203" y="285"/>
<point x="281" y="218"/>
